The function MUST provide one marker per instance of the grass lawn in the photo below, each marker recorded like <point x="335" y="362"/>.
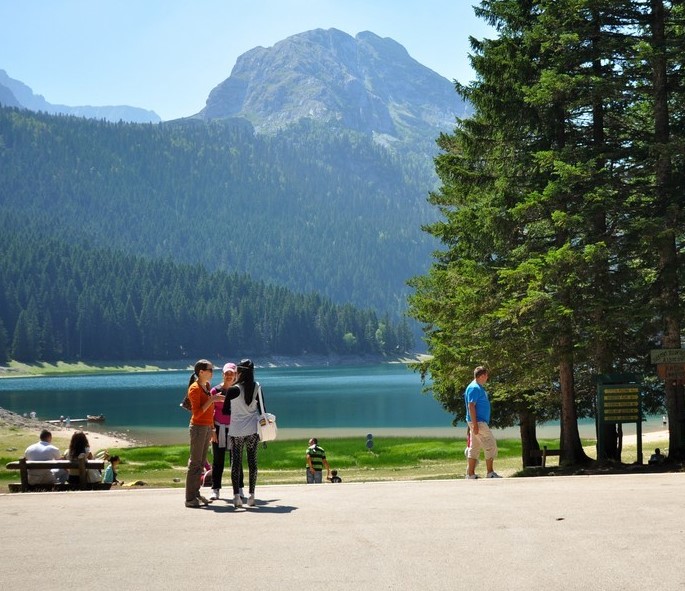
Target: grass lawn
<point x="283" y="462"/>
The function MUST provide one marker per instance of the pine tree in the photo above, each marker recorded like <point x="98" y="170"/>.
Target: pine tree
<point x="544" y="192"/>
<point x="4" y="345"/>
<point x="24" y="341"/>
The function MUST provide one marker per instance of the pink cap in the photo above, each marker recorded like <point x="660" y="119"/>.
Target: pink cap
<point x="232" y="367"/>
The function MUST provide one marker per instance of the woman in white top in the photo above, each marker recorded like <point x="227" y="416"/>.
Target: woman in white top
<point x="243" y="405"/>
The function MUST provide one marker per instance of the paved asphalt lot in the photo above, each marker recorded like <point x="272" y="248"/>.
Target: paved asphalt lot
<point x="577" y="532"/>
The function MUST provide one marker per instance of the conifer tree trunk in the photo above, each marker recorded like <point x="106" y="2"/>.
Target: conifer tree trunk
<point x="529" y="440"/>
<point x="666" y="240"/>
<point x="572" y="451"/>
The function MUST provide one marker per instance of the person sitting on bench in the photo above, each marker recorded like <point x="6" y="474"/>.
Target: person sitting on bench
<point x="43" y="451"/>
<point x="77" y="446"/>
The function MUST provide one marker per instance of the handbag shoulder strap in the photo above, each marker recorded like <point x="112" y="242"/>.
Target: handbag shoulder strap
<point x="260" y="398"/>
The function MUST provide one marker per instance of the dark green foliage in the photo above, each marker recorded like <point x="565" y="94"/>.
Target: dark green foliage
<point x="67" y="301"/>
<point x="4" y="344"/>
<point x="562" y="209"/>
<point x="311" y="208"/>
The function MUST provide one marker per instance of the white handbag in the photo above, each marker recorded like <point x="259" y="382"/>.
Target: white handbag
<point x="266" y="426"/>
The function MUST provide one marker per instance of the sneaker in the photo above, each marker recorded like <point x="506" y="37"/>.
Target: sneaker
<point x="237" y="501"/>
<point x="471" y="476"/>
<point x="250" y="501"/>
<point x="215" y="495"/>
<point x="493" y="475"/>
<point x="203" y="500"/>
<point x="194" y="503"/>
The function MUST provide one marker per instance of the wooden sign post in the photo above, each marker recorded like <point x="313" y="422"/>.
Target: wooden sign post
<point x="670" y="367"/>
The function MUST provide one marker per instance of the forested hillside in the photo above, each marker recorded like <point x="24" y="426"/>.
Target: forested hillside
<point x="62" y="301"/>
<point x="311" y="208"/>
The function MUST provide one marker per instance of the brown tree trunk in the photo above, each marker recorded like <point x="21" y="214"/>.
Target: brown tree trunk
<point x="611" y="442"/>
<point x="529" y="440"/>
<point x="572" y="451"/>
<point x="602" y="350"/>
<point x="665" y="241"/>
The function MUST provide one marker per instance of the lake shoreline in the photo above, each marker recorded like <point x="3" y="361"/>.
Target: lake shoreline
<point x="16" y="369"/>
<point x="104" y="438"/>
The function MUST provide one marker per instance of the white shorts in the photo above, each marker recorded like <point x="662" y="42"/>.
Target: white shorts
<point x="483" y="440"/>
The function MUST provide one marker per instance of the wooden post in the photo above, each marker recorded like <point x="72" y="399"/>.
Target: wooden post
<point x="24" y="473"/>
<point x="82" y="473"/>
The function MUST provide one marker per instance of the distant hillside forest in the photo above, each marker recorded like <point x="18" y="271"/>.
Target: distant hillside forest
<point x="311" y="209"/>
<point x="63" y="301"/>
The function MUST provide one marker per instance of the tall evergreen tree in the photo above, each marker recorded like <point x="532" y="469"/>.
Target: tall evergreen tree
<point x="539" y="190"/>
<point x="24" y="340"/>
<point x="4" y="344"/>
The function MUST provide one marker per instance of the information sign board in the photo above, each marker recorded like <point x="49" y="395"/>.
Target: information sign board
<point x="619" y="403"/>
<point x="667" y="355"/>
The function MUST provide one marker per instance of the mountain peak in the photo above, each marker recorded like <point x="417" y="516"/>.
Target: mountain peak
<point x="365" y="83"/>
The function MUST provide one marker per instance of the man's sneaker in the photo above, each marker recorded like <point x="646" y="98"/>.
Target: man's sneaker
<point x="250" y="501"/>
<point x="194" y="503"/>
<point x="237" y="501"/>
<point x="493" y="475"/>
<point x="203" y="500"/>
<point x="215" y="495"/>
<point x="471" y="476"/>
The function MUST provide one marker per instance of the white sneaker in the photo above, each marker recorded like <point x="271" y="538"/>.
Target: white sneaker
<point x="250" y="501"/>
<point x="471" y="476"/>
<point x="215" y="495"/>
<point x="493" y="475"/>
<point x="237" y="501"/>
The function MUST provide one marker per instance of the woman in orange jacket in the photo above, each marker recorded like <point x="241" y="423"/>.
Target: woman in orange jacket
<point x="201" y="428"/>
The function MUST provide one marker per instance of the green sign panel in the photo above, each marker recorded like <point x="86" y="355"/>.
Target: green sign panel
<point x="619" y="403"/>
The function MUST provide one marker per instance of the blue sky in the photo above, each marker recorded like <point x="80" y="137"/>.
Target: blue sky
<point x="167" y="55"/>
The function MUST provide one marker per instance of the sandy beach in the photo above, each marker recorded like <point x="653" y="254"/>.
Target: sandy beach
<point x="97" y="440"/>
<point x="647" y="438"/>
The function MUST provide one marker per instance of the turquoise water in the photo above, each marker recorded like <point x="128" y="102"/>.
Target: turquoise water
<point x="335" y="401"/>
<point x="374" y="396"/>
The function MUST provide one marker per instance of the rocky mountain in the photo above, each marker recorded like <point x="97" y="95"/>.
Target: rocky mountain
<point x="290" y="183"/>
<point x="365" y="83"/>
<point x="14" y="93"/>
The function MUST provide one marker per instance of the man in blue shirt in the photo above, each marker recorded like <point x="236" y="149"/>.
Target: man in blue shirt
<point x="478" y="417"/>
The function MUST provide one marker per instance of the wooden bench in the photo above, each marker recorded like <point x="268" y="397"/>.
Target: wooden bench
<point x="80" y="464"/>
<point x="544" y="453"/>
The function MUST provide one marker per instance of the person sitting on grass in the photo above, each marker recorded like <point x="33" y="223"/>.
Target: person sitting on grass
<point x="334" y="478"/>
<point x="657" y="458"/>
<point x="110" y="475"/>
